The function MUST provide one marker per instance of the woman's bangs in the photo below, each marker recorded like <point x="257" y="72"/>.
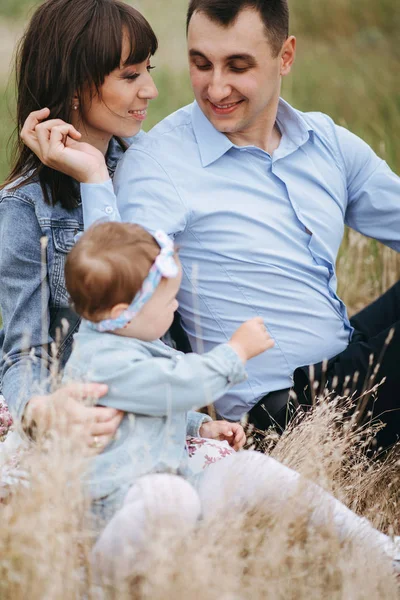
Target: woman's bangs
<point x="101" y="49"/>
<point x="142" y="39"/>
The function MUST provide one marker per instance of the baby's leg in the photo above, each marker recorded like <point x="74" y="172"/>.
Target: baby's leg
<point x="203" y="452"/>
<point x="250" y="478"/>
<point x="160" y="498"/>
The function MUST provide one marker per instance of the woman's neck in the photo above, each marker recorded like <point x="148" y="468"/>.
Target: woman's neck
<point x="99" y="142"/>
<point x="94" y="137"/>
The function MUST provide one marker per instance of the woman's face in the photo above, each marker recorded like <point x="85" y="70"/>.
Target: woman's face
<point x="121" y="107"/>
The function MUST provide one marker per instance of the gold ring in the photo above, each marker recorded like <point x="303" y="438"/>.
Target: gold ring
<point x="96" y="442"/>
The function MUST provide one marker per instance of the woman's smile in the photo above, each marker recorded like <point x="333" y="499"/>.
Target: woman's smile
<point x="139" y="115"/>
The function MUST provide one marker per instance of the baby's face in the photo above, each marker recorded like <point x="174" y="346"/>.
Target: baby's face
<point x="156" y="316"/>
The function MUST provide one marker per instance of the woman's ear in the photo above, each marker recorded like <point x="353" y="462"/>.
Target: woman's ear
<point x="118" y="309"/>
<point x="75" y="102"/>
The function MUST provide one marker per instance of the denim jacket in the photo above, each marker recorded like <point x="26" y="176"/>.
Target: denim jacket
<point x="156" y="386"/>
<point x="33" y="299"/>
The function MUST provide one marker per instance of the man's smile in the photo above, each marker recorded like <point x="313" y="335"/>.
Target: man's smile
<point x="224" y="109"/>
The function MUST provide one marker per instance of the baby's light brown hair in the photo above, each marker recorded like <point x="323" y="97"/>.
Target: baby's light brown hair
<point x="107" y="266"/>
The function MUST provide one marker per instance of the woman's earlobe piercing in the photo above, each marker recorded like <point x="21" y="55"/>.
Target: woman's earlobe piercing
<point x="75" y="107"/>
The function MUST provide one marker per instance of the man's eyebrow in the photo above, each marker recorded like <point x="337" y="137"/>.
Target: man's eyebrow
<point x="244" y="56"/>
<point x="193" y="52"/>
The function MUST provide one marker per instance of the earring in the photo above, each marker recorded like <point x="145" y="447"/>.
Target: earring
<point x="75" y="107"/>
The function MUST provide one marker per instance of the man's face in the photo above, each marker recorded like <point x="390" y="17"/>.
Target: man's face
<point x="236" y="79"/>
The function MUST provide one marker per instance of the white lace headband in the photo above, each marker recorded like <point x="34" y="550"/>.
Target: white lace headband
<point x="164" y="266"/>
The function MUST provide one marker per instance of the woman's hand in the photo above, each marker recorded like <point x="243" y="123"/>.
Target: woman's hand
<point x="64" y="411"/>
<point x="56" y="143"/>
<point x="233" y="433"/>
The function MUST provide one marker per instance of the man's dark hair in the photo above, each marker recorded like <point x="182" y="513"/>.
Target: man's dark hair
<point x="274" y="14"/>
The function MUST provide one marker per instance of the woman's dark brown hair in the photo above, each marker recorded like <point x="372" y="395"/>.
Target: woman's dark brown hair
<point x="70" y="46"/>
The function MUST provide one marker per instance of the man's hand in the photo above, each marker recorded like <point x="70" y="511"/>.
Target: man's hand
<point x="56" y="143"/>
<point x="251" y="339"/>
<point x="233" y="433"/>
<point x="64" y="411"/>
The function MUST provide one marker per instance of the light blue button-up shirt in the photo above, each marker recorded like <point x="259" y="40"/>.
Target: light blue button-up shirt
<point x="258" y="234"/>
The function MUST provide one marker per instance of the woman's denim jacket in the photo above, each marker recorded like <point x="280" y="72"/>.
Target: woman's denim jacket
<point x="33" y="298"/>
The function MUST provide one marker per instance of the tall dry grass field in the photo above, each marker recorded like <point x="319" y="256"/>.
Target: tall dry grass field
<point x="348" y="64"/>
<point x="46" y="534"/>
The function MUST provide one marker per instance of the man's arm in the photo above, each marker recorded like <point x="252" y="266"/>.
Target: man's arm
<point x="373" y="191"/>
<point x="143" y="193"/>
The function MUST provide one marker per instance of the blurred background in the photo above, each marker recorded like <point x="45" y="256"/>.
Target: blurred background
<point x="347" y="65"/>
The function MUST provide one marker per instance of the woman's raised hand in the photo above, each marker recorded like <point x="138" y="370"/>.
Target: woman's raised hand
<point x="56" y="143"/>
<point x="64" y="411"/>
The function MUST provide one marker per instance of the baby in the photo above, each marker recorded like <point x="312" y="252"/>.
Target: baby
<point x="157" y="386"/>
<point x="123" y="282"/>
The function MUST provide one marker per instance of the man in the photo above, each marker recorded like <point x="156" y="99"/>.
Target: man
<point x="256" y="196"/>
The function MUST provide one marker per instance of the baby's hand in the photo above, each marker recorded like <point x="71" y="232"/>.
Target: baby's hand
<point x="251" y="339"/>
<point x="233" y="433"/>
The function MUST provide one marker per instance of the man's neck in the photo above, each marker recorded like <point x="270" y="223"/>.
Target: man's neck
<point x="264" y="134"/>
<point x="269" y="143"/>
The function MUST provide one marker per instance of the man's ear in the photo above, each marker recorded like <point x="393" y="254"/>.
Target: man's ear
<point x="288" y="53"/>
<point x="118" y="309"/>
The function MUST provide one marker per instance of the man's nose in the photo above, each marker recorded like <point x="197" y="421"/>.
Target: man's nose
<point x="218" y="88"/>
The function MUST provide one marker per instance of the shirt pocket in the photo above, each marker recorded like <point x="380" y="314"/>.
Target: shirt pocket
<point x="63" y="241"/>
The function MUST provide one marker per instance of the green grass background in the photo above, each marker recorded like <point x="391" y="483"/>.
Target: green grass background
<point x="347" y="65"/>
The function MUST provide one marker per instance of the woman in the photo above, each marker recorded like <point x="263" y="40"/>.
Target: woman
<point x="93" y="71"/>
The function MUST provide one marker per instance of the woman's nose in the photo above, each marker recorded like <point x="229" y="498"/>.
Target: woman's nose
<point x="148" y="90"/>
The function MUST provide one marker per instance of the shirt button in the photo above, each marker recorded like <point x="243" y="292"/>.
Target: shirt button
<point x="109" y="210"/>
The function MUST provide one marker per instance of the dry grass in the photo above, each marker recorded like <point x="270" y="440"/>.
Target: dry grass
<point x="45" y="534"/>
<point x="365" y="270"/>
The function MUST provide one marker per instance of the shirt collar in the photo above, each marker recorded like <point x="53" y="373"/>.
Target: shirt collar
<point x="213" y="144"/>
<point x="293" y="124"/>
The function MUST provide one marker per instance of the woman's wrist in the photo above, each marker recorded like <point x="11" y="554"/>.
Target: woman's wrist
<point x="101" y="175"/>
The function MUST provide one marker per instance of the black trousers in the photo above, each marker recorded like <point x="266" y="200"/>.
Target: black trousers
<point x="373" y="326"/>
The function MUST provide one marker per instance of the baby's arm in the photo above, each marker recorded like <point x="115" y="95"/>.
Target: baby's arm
<point x="158" y="386"/>
<point x="194" y="422"/>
